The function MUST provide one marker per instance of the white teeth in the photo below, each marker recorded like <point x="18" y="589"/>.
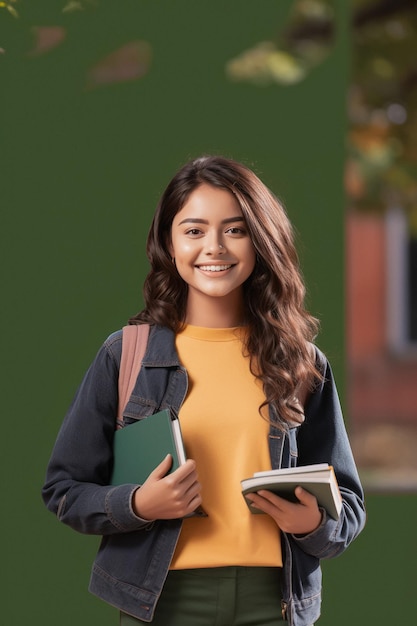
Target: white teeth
<point x="214" y="268"/>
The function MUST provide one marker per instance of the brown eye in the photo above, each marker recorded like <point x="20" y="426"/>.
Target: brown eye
<point x="193" y="232"/>
<point x="235" y="230"/>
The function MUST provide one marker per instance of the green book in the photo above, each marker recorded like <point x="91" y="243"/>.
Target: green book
<point x="141" y="446"/>
<point x="318" y="479"/>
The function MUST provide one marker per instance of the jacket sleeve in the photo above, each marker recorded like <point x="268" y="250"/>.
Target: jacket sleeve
<point x="77" y="486"/>
<point x="323" y="439"/>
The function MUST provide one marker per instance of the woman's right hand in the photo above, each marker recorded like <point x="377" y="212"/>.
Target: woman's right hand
<point x="168" y="496"/>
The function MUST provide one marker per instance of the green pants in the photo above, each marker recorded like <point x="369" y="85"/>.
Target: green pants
<point x="223" y="596"/>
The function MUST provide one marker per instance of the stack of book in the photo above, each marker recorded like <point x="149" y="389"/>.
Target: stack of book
<point x="318" y="479"/>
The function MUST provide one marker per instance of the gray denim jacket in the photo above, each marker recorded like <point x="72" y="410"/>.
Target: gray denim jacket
<point x="134" y="555"/>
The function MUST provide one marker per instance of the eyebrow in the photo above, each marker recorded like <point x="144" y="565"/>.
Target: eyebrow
<point x="195" y="220"/>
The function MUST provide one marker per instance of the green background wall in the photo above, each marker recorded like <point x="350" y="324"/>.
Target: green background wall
<point x="80" y="175"/>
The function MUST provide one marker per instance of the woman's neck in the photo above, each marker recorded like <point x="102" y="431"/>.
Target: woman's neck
<point x="215" y="312"/>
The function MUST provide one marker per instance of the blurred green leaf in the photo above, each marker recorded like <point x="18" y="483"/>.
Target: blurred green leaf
<point x="304" y="43"/>
<point x="9" y="7"/>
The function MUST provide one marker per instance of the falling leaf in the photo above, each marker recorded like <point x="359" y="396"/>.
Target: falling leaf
<point x="128" y="63"/>
<point x="78" y="5"/>
<point x="9" y="7"/>
<point x="47" y="38"/>
<point x="265" y="64"/>
<point x="72" y="6"/>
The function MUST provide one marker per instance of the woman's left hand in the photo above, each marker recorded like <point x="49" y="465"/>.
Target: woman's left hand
<point x="297" y="518"/>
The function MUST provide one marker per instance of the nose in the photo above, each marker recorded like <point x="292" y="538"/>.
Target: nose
<point x="215" y="245"/>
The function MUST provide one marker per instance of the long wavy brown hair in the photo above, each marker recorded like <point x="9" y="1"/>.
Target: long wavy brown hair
<point x="280" y="328"/>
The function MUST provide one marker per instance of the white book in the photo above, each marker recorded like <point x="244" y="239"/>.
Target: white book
<point x="318" y="479"/>
<point x="318" y="467"/>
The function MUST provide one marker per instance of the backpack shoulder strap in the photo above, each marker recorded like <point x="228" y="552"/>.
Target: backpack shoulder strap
<point x="134" y="342"/>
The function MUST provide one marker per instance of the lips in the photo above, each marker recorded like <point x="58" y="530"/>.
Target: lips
<point x="214" y="268"/>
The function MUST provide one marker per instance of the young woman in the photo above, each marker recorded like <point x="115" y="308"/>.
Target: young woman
<point x="230" y="348"/>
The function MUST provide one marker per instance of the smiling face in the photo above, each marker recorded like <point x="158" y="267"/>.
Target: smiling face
<point x="213" y="254"/>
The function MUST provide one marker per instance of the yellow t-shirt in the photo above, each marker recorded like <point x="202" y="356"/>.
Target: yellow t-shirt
<point x="227" y="437"/>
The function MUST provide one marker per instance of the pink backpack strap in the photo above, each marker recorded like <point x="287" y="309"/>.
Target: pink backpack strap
<point x="134" y="342"/>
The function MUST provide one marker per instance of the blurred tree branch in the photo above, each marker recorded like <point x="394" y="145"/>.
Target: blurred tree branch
<point x="382" y="100"/>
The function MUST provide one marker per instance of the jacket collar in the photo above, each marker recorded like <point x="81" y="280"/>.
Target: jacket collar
<point x="161" y="351"/>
